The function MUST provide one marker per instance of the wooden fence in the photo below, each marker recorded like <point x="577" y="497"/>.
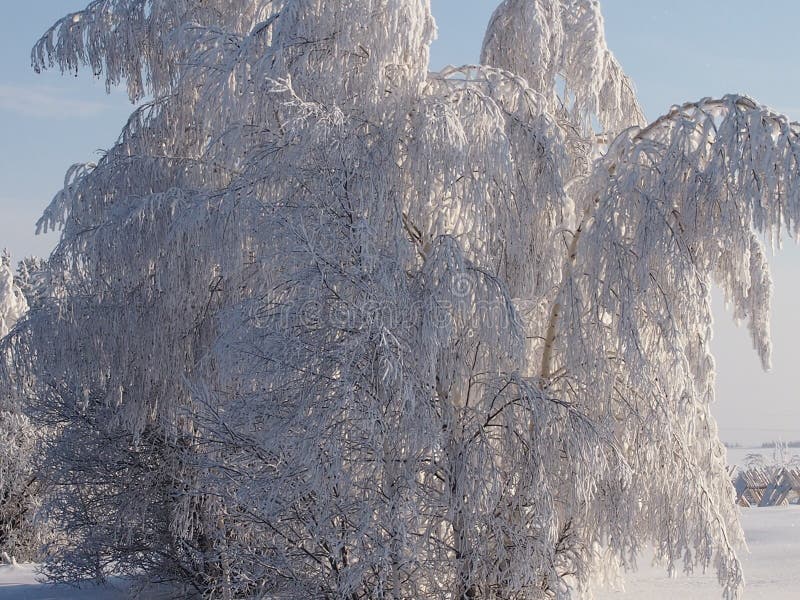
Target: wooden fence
<point x="761" y="486"/>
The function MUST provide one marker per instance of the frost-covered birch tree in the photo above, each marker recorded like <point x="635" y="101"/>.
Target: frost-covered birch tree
<point x="332" y="326"/>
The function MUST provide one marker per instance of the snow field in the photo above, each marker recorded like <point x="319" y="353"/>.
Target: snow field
<point x="771" y="568"/>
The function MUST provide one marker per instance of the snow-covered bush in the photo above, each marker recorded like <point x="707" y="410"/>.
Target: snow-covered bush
<point x="329" y="325"/>
<point x="12" y="301"/>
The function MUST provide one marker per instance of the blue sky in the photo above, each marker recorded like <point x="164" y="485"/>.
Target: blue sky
<point x="674" y="51"/>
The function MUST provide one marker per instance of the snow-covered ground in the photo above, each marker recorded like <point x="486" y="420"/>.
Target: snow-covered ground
<point x="20" y="583"/>
<point x="772" y="569"/>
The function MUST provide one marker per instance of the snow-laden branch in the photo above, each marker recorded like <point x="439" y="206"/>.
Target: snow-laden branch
<point x="555" y="41"/>
<point x="131" y="41"/>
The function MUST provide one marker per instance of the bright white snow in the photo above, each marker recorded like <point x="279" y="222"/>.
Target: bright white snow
<point x="20" y="583"/>
<point x="770" y="569"/>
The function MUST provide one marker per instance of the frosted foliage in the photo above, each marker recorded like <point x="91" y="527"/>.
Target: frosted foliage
<point x="12" y="301"/>
<point x="564" y="43"/>
<point x="332" y="326"/>
<point x="133" y="41"/>
<point x="321" y="45"/>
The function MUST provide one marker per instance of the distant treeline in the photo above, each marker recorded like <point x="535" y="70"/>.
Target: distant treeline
<point x="794" y="444"/>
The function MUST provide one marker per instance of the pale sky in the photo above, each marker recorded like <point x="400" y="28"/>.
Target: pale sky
<point x="674" y="51"/>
